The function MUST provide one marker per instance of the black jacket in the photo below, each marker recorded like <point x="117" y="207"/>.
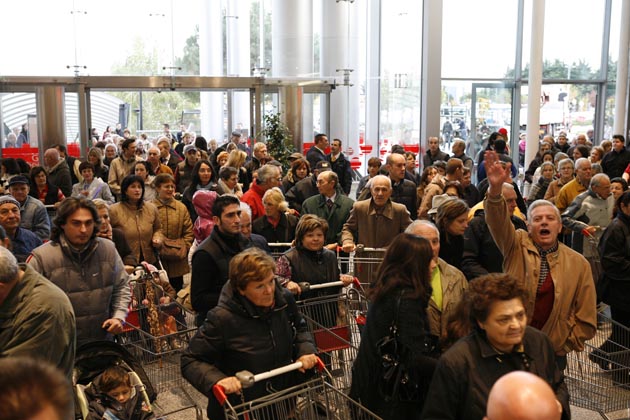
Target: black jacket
<point x="413" y="328"/>
<point x="210" y="264"/>
<point x="304" y="189"/>
<point x="614" y="249"/>
<point x="405" y="193"/>
<point x="466" y="372"/>
<point x="428" y="159"/>
<point x="240" y="336"/>
<point x="614" y="163"/>
<point x="284" y="232"/>
<point x="481" y="254"/>
<point x="342" y="168"/>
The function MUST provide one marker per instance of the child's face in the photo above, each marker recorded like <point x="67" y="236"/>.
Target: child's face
<point x="121" y="393"/>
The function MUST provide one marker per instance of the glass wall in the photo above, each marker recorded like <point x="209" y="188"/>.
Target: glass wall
<point x="400" y="73"/>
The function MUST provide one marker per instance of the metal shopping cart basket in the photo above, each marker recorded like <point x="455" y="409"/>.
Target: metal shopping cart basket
<point x="598" y="378"/>
<point x="363" y="263"/>
<point x="336" y="322"/>
<point x="156" y="331"/>
<point x="313" y="400"/>
<point x="279" y="248"/>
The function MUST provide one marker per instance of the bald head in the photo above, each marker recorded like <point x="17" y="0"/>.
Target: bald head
<point x="522" y="395"/>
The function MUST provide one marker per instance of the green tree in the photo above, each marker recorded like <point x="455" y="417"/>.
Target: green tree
<point x="278" y="139"/>
<point x="157" y="107"/>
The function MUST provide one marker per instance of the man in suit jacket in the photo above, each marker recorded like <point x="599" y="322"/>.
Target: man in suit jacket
<point x="317" y="151"/>
<point x="329" y="204"/>
<point x="375" y="222"/>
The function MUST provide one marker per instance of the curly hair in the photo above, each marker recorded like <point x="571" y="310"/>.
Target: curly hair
<point x="67" y="209"/>
<point x="485" y="290"/>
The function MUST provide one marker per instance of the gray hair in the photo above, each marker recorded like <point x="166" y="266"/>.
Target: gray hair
<point x="265" y="173"/>
<point x="246" y="209"/>
<point x="581" y="161"/>
<point x="383" y="177"/>
<point x="411" y="229"/>
<point x="565" y="161"/>
<point x="561" y="156"/>
<point x="100" y="204"/>
<point x="541" y="203"/>
<point x="507" y="185"/>
<point x="8" y="266"/>
<point x="597" y="179"/>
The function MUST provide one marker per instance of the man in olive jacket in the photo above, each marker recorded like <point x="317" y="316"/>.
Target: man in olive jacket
<point x="330" y="205"/>
<point x="564" y="307"/>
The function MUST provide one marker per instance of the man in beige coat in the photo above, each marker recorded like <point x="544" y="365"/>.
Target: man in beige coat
<point x="375" y="222"/>
<point x="447" y="282"/>
<point x="562" y="301"/>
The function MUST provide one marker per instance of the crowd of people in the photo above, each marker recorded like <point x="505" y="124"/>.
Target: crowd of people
<point x="480" y="280"/>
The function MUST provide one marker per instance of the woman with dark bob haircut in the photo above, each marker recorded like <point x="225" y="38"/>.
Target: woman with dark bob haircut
<point x="138" y="219"/>
<point x="202" y="179"/>
<point x="299" y="170"/>
<point x="499" y="342"/>
<point x="400" y="295"/>
<point x="256" y="327"/>
<point x="452" y="221"/>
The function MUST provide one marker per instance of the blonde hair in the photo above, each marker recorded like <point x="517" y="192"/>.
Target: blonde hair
<point x="275" y="196"/>
<point x="236" y="158"/>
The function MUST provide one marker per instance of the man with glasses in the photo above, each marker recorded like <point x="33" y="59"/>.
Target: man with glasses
<point x="86" y="267"/>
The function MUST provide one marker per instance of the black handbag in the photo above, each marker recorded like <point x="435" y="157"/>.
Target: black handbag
<point x="397" y="383"/>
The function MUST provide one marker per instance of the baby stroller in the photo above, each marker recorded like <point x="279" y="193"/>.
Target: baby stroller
<point x="95" y="357"/>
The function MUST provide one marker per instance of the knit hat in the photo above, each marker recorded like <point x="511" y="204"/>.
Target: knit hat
<point x="4" y="199"/>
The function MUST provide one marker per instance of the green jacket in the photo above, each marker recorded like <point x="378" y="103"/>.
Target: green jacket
<point x="37" y="320"/>
<point x="336" y="216"/>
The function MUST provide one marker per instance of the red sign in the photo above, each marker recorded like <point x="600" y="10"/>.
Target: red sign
<point x="366" y="148"/>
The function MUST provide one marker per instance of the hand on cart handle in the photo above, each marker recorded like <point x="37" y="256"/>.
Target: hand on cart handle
<point x="346" y="279"/>
<point x="589" y="231"/>
<point x="113" y="326"/>
<point x="348" y="247"/>
<point x="246" y="379"/>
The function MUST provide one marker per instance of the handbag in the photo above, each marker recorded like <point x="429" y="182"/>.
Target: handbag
<point x="173" y="249"/>
<point x="397" y="384"/>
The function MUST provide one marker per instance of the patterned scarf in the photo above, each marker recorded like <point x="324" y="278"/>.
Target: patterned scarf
<point x="544" y="265"/>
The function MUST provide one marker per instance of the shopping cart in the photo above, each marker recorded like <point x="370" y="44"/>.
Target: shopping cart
<point x="336" y="322"/>
<point x="156" y="331"/>
<point x="279" y="248"/>
<point x="598" y="378"/>
<point x="362" y="263"/>
<point x="313" y="400"/>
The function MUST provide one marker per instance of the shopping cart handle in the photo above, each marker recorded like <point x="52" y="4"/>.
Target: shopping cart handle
<point x="357" y="283"/>
<point x="219" y="394"/>
<point x="320" y="365"/>
<point x="305" y="286"/>
<point x="248" y="379"/>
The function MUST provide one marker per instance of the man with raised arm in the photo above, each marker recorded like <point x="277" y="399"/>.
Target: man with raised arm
<point x="559" y="278"/>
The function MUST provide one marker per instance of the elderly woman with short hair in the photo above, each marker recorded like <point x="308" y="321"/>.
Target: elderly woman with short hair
<point x="256" y="327"/>
<point x="499" y="342"/>
<point x="276" y="225"/>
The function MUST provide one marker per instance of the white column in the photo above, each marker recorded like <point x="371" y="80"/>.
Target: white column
<point x="339" y="50"/>
<point x="238" y="59"/>
<point x="621" y="86"/>
<point x="431" y="71"/>
<point x="211" y="64"/>
<point x="292" y="38"/>
<point x="373" y="82"/>
<point x="292" y="51"/>
<point x="535" y="79"/>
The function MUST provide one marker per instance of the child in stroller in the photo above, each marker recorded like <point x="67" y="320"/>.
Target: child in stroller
<point x="110" y="383"/>
<point x="113" y="396"/>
